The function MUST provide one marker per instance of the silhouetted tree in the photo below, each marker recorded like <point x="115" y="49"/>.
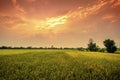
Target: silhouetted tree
<point x="4" y="47"/>
<point x="29" y="47"/>
<point x="110" y="45"/>
<point x="92" y="46"/>
<point x="41" y="48"/>
<point x="21" y="47"/>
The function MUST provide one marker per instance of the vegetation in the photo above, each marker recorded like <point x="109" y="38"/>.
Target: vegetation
<point x="30" y="47"/>
<point x="110" y="45"/>
<point x="30" y="64"/>
<point x="92" y="46"/>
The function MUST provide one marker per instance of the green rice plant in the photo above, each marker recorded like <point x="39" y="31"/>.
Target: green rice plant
<point x="58" y="65"/>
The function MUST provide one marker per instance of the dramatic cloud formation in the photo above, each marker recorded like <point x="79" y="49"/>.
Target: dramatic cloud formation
<point x="67" y="23"/>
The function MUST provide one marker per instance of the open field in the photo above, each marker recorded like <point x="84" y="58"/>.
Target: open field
<point x="58" y="65"/>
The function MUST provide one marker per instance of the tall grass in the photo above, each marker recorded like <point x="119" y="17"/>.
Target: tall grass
<point x="58" y="65"/>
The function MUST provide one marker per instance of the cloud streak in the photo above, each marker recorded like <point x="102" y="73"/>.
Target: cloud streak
<point x="116" y="3"/>
<point x="18" y="7"/>
<point x="80" y="13"/>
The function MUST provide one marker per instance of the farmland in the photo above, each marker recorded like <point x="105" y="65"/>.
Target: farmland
<point x="58" y="65"/>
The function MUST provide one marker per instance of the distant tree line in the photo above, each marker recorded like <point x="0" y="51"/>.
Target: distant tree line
<point x="92" y="46"/>
<point x="108" y="43"/>
<point x="30" y="47"/>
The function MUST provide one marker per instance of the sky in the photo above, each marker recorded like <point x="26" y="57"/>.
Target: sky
<point x="62" y="23"/>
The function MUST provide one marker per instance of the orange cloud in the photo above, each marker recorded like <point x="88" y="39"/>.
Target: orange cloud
<point x="33" y="25"/>
<point x="58" y="21"/>
<point x="18" y="7"/>
<point x="10" y="20"/>
<point x="30" y="0"/>
<point x="116" y="3"/>
<point x="48" y="23"/>
<point x="82" y="12"/>
<point x="108" y="17"/>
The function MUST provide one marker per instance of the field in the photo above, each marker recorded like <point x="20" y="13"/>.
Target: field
<point x="58" y="65"/>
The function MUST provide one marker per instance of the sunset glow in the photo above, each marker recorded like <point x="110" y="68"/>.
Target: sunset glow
<point x="51" y="22"/>
<point x="67" y="23"/>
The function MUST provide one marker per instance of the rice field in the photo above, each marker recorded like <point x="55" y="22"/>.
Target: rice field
<point x="58" y="65"/>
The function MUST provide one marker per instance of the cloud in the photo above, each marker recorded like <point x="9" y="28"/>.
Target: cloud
<point x="10" y="21"/>
<point x="30" y="0"/>
<point x="108" y="16"/>
<point x="61" y="22"/>
<point x="80" y="13"/>
<point x="116" y="3"/>
<point x="83" y="12"/>
<point x="18" y="7"/>
<point x="52" y="22"/>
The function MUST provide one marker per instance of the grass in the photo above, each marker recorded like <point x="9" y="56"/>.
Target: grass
<point x="58" y="65"/>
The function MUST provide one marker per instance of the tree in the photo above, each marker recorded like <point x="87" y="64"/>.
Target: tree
<point x="92" y="46"/>
<point x="4" y="47"/>
<point x="110" y="45"/>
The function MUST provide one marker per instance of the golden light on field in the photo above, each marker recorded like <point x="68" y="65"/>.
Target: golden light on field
<point x="67" y="23"/>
